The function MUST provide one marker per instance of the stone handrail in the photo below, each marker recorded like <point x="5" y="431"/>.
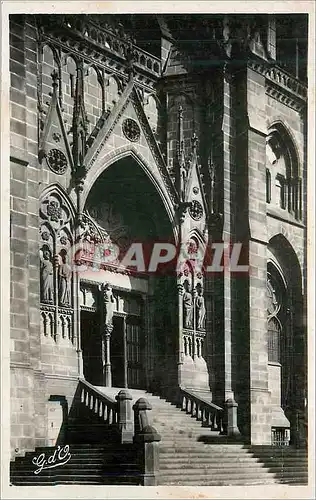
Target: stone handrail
<point x="209" y="413"/>
<point x="103" y="406"/>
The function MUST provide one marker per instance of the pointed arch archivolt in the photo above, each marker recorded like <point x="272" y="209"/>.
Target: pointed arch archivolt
<point x="123" y="152"/>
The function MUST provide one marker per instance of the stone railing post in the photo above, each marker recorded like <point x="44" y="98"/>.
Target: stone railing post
<point x="125" y="418"/>
<point x="231" y="411"/>
<point x="146" y="440"/>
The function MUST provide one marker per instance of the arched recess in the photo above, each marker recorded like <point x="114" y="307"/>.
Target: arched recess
<point x="287" y="342"/>
<point x="124" y="198"/>
<point x="50" y="62"/>
<point x="69" y="76"/>
<point x="93" y="95"/>
<point x="133" y="153"/>
<point x="284" y="171"/>
<point x="57" y="282"/>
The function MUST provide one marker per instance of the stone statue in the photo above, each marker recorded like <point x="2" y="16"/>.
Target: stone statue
<point x="187" y="305"/>
<point x="200" y="309"/>
<point x="108" y="299"/>
<point x="64" y="275"/>
<point x="47" y="277"/>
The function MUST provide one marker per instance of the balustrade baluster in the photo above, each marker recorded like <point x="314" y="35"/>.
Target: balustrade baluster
<point x="213" y="421"/>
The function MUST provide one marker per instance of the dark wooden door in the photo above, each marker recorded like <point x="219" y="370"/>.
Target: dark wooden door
<point x="134" y="352"/>
<point x="91" y="347"/>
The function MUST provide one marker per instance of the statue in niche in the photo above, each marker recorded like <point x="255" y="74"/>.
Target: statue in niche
<point x="200" y="308"/>
<point x="187" y="305"/>
<point x="108" y="300"/>
<point x="64" y="275"/>
<point x="47" y="277"/>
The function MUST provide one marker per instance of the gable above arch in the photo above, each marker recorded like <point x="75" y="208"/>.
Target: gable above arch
<point x="128" y="127"/>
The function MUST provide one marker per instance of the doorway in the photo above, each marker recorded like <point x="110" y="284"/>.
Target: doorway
<point x="127" y="352"/>
<point x="117" y="352"/>
<point x="127" y="344"/>
<point x="91" y="346"/>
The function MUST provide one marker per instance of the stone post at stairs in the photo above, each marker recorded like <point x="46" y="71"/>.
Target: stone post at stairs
<point x="231" y="410"/>
<point x="125" y="418"/>
<point x="146" y="440"/>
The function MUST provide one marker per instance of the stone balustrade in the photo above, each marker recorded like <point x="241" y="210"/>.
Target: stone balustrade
<point x="208" y="413"/>
<point x="102" y="405"/>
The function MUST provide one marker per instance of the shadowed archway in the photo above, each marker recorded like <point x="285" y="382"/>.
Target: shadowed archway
<point x="126" y="204"/>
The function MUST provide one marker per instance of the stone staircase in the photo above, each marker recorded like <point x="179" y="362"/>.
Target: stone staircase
<point x="96" y="464"/>
<point x="194" y="455"/>
<point x="89" y="464"/>
<point x="190" y="454"/>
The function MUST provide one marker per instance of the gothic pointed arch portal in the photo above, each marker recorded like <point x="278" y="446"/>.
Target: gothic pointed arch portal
<point x="128" y="316"/>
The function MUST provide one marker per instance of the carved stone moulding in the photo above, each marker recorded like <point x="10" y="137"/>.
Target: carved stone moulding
<point x="201" y="333"/>
<point x="131" y="130"/>
<point x="196" y="210"/>
<point x="57" y="161"/>
<point x="284" y="98"/>
<point x="187" y="332"/>
<point x="47" y="307"/>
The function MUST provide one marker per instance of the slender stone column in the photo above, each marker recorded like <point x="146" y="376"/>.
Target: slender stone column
<point x="76" y="280"/>
<point x="194" y="347"/>
<point x="180" y="338"/>
<point x="108" y="301"/>
<point x="106" y="356"/>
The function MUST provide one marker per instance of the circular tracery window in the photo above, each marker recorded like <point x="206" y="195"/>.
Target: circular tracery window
<point x="57" y="161"/>
<point x="131" y="130"/>
<point x="196" y="210"/>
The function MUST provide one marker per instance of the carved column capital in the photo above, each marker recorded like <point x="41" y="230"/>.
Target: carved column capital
<point x="108" y="329"/>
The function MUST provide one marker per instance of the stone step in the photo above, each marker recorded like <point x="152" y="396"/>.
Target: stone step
<point x="166" y="459"/>
<point x="212" y="466"/>
<point x="216" y="482"/>
<point x="278" y="453"/>
<point x="82" y="479"/>
<point x="74" y="471"/>
<point x="201" y="448"/>
<point x="286" y="462"/>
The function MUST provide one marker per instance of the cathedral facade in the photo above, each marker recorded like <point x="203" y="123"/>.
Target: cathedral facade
<point x="138" y="144"/>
